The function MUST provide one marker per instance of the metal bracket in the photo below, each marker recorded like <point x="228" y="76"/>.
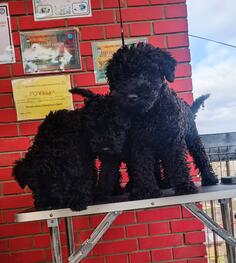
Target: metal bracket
<point x="88" y="244"/>
<point x="53" y="225"/>
<point x="202" y="216"/>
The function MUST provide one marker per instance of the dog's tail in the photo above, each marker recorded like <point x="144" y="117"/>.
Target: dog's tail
<point x="83" y="92"/>
<point x="198" y="102"/>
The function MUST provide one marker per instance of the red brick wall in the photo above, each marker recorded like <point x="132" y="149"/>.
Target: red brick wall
<point x="157" y="235"/>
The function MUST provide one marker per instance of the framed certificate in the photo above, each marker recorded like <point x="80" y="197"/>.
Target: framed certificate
<point x="7" y="53"/>
<point x="58" y="9"/>
<point x="48" y="51"/>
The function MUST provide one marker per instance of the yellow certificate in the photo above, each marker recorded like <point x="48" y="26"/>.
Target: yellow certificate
<point x="36" y="97"/>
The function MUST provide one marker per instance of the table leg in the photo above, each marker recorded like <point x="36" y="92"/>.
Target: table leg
<point x="53" y="225"/>
<point x="225" y="213"/>
<point x="70" y="235"/>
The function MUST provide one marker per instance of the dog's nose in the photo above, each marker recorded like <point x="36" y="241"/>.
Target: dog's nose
<point x="132" y="97"/>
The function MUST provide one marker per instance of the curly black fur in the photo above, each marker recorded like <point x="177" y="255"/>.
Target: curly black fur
<point x="60" y="165"/>
<point x="163" y="126"/>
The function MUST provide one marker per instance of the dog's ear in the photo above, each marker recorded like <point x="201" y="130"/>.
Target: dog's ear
<point x="168" y="64"/>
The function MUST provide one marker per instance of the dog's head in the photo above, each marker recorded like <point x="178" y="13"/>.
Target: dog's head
<point x="136" y="73"/>
<point x="105" y="125"/>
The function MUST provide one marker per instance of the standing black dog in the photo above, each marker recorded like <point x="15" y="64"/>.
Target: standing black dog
<point x="163" y="127"/>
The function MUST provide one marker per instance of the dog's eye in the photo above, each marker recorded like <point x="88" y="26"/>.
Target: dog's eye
<point x="133" y="97"/>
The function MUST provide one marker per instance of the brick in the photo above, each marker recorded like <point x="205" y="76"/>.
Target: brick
<point x="125" y="218"/>
<point x="27" y="22"/>
<point x="20" y="229"/>
<point x="6" y="101"/>
<point x="28" y="256"/>
<point x="92" y="33"/>
<point x="89" y="64"/>
<point x="189" y="251"/>
<point x="161" y="255"/>
<point x="161" y="2"/>
<point x="136" y="230"/>
<point x="187" y="214"/>
<point x="98" y="17"/>
<point x="8" y="130"/>
<point x="5" y="174"/>
<point x="17" y="8"/>
<point x="114" y="31"/>
<point x="95" y="4"/>
<point x="8" y="159"/>
<point x="174" y="11"/>
<point x="181" y="54"/>
<point x="177" y="40"/>
<point x="20" y="243"/>
<point x="17" y="69"/>
<point x="14" y="25"/>
<point x="115" y="247"/>
<point x="5" y="70"/>
<point x="29" y="128"/>
<point x="3" y="246"/>
<point x="159" y="214"/>
<point x="170" y="26"/>
<point x="194" y="237"/>
<point x="5" y="85"/>
<point x="84" y="234"/>
<point x="42" y="241"/>
<point x="29" y="7"/>
<point x="141" y="13"/>
<point x="159" y="228"/>
<point x="84" y="79"/>
<point x="16" y="201"/>
<point x="18" y="54"/>
<point x="14" y="144"/>
<point x="160" y="241"/>
<point x="183" y="70"/>
<point x="11" y="188"/>
<point x="188" y="97"/>
<point x="110" y="4"/>
<point x="86" y="49"/>
<point x="140" y="257"/>
<point x="157" y="41"/>
<point x="117" y="259"/>
<point x="114" y="233"/>
<point x="81" y="222"/>
<point x="140" y="29"/>
<point x="181" y="85"/>
<point x="137" y="2"/>
<point x="16" y="38"/>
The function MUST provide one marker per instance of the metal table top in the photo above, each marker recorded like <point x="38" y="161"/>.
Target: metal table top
<point x="205" y="193"/>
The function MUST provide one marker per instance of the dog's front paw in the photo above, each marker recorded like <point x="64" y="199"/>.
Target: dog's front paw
<point x="185" y="189"/>
<point x="210" y="179"/>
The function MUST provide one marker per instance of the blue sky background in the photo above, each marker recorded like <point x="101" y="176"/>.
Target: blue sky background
<point x="214" y="65"/>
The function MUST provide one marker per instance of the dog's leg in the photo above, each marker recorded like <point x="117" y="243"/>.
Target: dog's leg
<point x="176" y="167"/>
<point x="109" y="178"/>
<point x="196" y="149"/>
<point x="141" y="170"/>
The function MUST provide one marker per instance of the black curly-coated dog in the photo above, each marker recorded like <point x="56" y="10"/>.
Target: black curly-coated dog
<point x="163" y="126"/>
<point x="111" y="157"/>
<point x="60" y="165"/>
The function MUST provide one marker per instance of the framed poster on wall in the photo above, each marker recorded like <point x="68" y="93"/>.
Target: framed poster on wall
<point x="48" y="51"/>
<point x="36" y="97"/>
<point x="7" y="53"/>
<point x="57" y="9"/>
<point x="103" y="51"/>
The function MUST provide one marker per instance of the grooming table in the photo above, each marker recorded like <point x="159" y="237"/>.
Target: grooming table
<point x="113" y="209"/>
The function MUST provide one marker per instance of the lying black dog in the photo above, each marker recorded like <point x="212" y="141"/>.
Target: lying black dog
<point x="60" y="165"/>
<point x="163" y="126"/>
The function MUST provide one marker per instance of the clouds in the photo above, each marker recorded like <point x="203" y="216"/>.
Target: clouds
<point x="214" y="65"/>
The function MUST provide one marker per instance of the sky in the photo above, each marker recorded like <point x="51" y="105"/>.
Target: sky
<point x="214" y="65"/>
